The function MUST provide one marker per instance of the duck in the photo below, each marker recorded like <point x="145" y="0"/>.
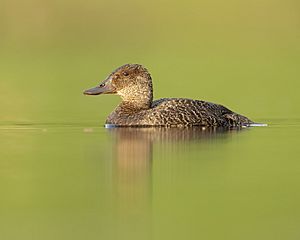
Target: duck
<point x="133" y="83"/>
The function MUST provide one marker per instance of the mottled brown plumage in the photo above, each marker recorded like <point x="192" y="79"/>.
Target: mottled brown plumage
<point x="134" y="84"/>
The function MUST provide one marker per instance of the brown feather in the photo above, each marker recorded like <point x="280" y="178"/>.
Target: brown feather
<point x="134" y="84"/>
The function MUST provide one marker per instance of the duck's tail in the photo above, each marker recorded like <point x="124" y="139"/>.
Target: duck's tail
<point x="234" y="120"/>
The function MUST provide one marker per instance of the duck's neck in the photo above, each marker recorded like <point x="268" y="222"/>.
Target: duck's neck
<point x="137" y="97"/>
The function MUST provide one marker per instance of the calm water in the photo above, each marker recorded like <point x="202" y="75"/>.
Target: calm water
<point x="87" y="182"/>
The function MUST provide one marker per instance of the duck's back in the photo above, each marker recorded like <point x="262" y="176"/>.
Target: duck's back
<point x="182" y="111"/>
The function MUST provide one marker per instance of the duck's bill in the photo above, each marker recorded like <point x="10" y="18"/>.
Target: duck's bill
<point x="93" y="91"/>
<point x="98" y="90"/>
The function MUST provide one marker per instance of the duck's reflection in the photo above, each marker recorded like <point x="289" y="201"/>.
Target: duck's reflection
<point x="133" y="151"/>
<point x="179" y="135"/>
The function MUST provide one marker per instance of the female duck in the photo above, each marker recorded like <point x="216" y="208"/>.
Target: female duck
<point x="134" y="84"/>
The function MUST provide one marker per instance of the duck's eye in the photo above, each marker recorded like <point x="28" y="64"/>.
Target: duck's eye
<point x="102" y="85"/>
<point x="125" y="73"/>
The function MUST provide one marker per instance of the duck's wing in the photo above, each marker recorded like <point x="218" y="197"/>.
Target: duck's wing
<point x="182" y="111"/>
<point x="217" y="109"/>
<point x="185" y="104"/>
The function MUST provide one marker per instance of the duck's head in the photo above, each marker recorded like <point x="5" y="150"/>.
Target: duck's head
<point x="131" y="81"/>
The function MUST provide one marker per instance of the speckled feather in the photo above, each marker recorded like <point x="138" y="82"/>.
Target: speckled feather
<point x="134" y="84"/>
<point x="177" y="112"/>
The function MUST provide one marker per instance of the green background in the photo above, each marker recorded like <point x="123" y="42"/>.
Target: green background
<point x="243" y="54"/>
<point x="64" y="176"/>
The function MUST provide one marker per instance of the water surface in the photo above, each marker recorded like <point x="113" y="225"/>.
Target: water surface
<point x="72" y="181"/>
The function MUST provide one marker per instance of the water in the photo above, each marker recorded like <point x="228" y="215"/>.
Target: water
<point x="72" y="181"/>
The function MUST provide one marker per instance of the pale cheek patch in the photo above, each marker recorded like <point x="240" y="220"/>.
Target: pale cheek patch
<point x="125" y="92"/>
